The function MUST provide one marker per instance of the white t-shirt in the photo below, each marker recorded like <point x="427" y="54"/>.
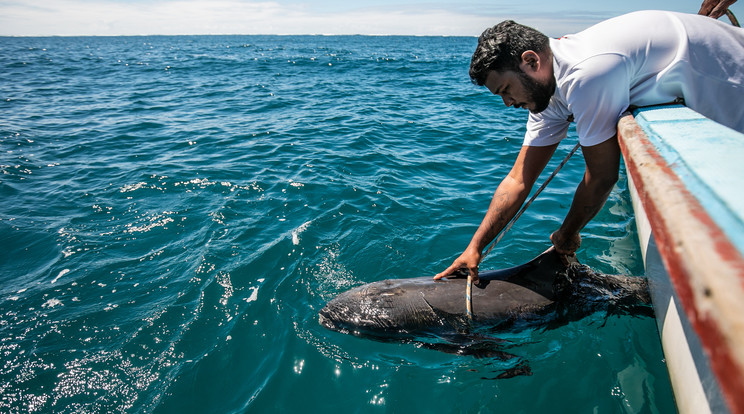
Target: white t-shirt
<point x="642" y="58"/>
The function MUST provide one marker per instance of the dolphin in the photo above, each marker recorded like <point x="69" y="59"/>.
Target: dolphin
<point x="550" y="290"/>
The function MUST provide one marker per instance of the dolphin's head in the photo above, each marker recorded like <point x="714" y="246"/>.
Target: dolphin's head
<point x="360" y="309"/>
<point x="383" y="307"/>
<point x="342" y="312"/>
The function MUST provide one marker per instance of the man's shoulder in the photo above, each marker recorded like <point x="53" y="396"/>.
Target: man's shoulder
<point x="628" y="36"/>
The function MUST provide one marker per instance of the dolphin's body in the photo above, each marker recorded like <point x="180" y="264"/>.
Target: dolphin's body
<point x="543" y="291"/>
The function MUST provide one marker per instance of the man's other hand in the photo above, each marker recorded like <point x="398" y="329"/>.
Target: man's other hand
<point x="565" y="244"/>
<point x="715" y="8"/>
<point x="468" y="260"/>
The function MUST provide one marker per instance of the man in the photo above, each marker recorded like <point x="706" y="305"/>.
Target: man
<point x="642" y="58"/>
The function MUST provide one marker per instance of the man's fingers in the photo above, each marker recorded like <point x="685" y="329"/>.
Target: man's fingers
<point x="563" y="251"/>
<point x="447" y="272"/>
<point x="455" y="268"/>
<point x="474" y="274"/>
<point x="715" y="8"/>
<point x="706" y="7"/>
<point x="719" y="11"/>
<point x="565" y="245"/>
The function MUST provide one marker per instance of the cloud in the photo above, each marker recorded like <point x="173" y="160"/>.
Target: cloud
<point x="71" y="17"/>
<point x="169" y="17"/>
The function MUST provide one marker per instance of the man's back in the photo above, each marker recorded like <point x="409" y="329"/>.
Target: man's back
<point x="646" y="58"/>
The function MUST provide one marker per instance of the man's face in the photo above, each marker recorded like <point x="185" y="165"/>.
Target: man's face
<point x="519" y="90"/>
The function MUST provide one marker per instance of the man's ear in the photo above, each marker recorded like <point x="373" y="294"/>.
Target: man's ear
<point x="530" y="61"/>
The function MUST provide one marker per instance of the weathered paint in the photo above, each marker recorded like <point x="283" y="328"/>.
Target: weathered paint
<point x="705" y="266"/>
<point x="707" y="158"/>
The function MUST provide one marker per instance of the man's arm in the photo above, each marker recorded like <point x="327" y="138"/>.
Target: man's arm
<point x="602" y="165"/>
<point x="507" y="199"/>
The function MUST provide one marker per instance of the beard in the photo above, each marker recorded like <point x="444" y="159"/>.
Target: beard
<point x="539" y="93"/>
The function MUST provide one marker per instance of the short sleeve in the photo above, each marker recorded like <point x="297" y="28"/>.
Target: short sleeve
<point x="597" y="92"/>
<point x="548" y="127"/>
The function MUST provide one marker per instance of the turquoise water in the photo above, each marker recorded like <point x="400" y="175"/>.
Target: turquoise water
<point x="175" y="210"/>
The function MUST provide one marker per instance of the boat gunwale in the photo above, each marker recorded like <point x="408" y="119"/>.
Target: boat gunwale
<point x="705" y="268"/>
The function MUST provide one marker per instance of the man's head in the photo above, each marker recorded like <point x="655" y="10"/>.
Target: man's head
<point x="515" y="61"/>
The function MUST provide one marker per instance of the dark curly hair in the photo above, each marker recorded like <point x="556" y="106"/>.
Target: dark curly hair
<point x="500" y="48"/>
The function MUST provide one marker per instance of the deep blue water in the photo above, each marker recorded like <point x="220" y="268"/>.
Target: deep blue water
<point x="175" y="210"/>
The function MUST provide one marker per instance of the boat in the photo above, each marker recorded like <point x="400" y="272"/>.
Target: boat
<point x="686" y="180"/>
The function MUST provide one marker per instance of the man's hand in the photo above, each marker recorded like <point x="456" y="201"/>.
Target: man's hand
<point x="565" y="244"/>
<point x="469" y="259"/>
<point x="715" y="8"/>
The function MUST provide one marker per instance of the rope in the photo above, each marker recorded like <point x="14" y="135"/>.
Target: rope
<point x="469" y="286"/>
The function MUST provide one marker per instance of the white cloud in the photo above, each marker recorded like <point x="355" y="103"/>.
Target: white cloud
<point x="108" y="17"/>
<point x="71" y="17"/>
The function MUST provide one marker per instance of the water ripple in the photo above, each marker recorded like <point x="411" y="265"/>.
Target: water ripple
<point x="175" y="211"/>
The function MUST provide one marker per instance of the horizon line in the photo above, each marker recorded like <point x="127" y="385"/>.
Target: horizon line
<point x="239" y="34"/>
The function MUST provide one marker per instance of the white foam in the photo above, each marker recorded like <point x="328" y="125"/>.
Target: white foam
<point x="62" y="273"/>
<point x="296" y="233"/>
<point x="51" y="303"/>
<point x="254" y="294"/>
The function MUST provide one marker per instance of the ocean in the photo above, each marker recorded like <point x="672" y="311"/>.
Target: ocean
<point x="174" y="211"/>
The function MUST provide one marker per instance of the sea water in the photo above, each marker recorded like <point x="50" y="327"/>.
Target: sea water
<point x="174" y="211"/>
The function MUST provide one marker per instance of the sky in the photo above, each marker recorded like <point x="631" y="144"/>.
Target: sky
<point x="382" y="17"/>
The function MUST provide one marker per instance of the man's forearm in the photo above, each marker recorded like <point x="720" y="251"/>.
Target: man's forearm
<point x="587" y="202"/>
<point x="504" y="205"/>
<point x="602" y="165"/>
